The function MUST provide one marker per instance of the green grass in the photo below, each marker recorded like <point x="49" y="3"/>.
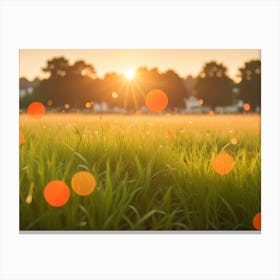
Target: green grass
<point x="145" y="181"/>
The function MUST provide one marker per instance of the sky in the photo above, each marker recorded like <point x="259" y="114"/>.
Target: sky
<point x="183" y="61"/>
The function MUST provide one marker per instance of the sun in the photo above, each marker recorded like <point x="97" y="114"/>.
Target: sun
<point x="129" y="74"/>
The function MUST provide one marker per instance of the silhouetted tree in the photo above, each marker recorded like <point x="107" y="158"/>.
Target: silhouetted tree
<point x="169" y="82"/>
<point x="250" y="84"/>
<point x="111" y="83"/>
<point x="57" y="67"/>
<point x="67" y="84"/>
<point x="175" y="89"/>
<point x="189" y="84"/>
<point x="80" y="68"/>
<point x="213" y="85"/>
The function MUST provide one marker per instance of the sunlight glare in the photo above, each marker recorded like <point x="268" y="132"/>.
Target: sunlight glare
<point x="129" y="74"/>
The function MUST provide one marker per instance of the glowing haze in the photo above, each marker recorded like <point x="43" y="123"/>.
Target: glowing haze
<point x="184" y="62"/>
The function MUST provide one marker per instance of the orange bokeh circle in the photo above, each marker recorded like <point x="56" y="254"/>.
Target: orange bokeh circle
<point x="57" y="193"/>
<point x="246" y="106"/>
<point x="233" y="141"/>
<point x="156" y="100"/>
<point x="257" y="221"/>
<point x="21" y="138"/>
<point x="223" y="163"/>
<point x="36" y="110"/>
<point x="169" y="134"/>
<point x="83" y="183"/>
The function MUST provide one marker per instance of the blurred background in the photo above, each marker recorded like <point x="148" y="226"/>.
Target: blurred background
<point x="117" y="81"/>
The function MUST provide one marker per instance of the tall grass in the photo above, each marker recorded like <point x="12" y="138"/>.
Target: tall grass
<point x="145" y="181"/>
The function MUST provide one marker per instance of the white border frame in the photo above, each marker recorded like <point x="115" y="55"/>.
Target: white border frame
<point x="153" y="24"/>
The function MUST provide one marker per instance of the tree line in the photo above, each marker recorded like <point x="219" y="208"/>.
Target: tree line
<point x="77" y="86"/>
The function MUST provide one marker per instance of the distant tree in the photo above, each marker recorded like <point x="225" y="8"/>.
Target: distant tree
<point x="24" y="83"/>
<point x="213" y="85"/>
<point x="110" y="90"/>
<point x="175" y="89"/>
<point x="189" y="84"/>
<point x="81" y="68"/>
<point x="170" y="82"/>
<point x="68" y="84"/>
<point x="250" y="84"/>
<point x="57" y="67"/>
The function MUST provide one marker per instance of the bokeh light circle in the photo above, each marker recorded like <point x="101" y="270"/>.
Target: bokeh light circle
<point x="36" y="110"/>
<point x="233" y="141"/>
<point x="223" y="163"/>
<point x="156" y="100"/>
<point x="88" y="105"/>
<point x="257" y="221"/>
<point x="247" y="107"/>
<point x="56" y="193"/>
<point x="21" y="138"/>
<point x="83" y="183"/>
<point x="50" y="102"/>
<point x="169" y="134"/>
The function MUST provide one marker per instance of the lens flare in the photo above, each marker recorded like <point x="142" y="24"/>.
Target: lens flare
<point x="223" y="163"/>
<point x="83" y="183"/>
<point x="36" y="110"/>
<point x="57" y="193"/>
<point x="156" y="100"/>
<point x="257" y="221"/>
<point x="21" y="138"/>
<point x="200" y="101"/>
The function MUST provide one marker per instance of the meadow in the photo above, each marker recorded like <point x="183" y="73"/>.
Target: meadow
<point x="151" y="172"/>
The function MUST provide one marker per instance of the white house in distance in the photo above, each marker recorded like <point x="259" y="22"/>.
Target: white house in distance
<point x="26" y="86"/>
<point x="194" y="105"/>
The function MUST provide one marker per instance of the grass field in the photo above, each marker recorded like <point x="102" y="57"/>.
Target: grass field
<point x="152" y="172"/>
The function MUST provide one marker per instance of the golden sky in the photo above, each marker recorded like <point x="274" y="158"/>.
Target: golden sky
<point x="184" y="62"/>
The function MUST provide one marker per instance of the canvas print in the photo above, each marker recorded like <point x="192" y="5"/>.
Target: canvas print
<point x="139" y="140"/>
